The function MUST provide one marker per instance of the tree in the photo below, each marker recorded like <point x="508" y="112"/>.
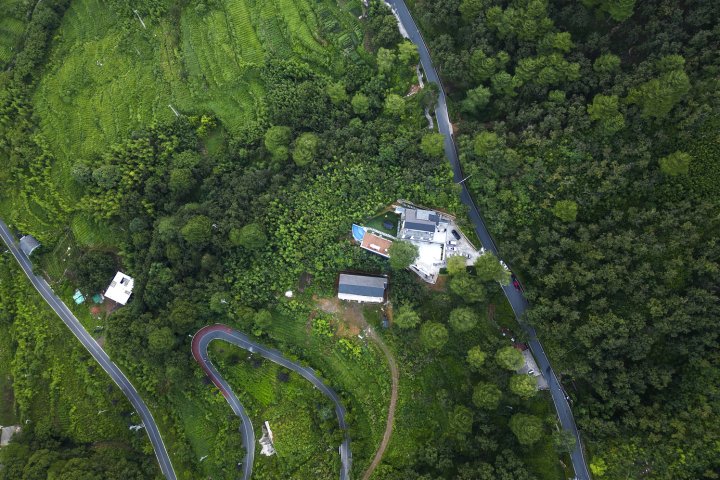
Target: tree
<point x="94" y="270"/>
<point x="486" y="396"/>
<point x="428" y="96"/>
<point x="524" y="386"/>
<point x="467" y="287"/>
<point x="394" y="105"/>
<point x="502" y="84"/>
<point x="197" y="231"/>
<point x="402" y="254"/>
<point x="509" y="358"/>
<point x="485" y="143"/>
<point x="433" y="144"/>
<point x="433" y="335"/>
<point x="161" y="340"/>
<point x="408" y="53"/>
<point x="607" y="63"/>
<point x="463" y="319"/>
<point x="277" y="140"/>
<point x="360" y="104"/>
<point x="181" y="181"/>
<point x="677" y="163"/>
<point x="563" y="441"/>
<point x="476" y="99"/>
<point x="470" y="9"/>
<point x="527" y="428"/>
<point x="658" y="96"/>
<point x="476" y="358"/>
<point x="457" y="265"/>
<point x="565" y="210"/>
<point x="337" y="93"/>
<point x="619" y="10"/>
<point x="305" y="148"/>
<point x="107" y="176"/>
<point x="220" y="303"/>
<point x="383" y="27"/>
<point x="482" y="67"/>
<point x="488" y="268"/>
<point x="183" y="314"/>
<point x="385" y="60"/>
<point x="406" y="317"/>
<point x="81" y="172"/>
<point x="460" y="422"/>
<point x="251" y="236"/>
<point x="263" y="319"/>
<point x="604" y="110"/>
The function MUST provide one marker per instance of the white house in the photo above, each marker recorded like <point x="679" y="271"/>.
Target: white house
<point x="120" y="289"/>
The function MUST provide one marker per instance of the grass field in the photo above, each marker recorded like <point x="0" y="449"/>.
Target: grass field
<point x="363" y="382"/>
<point x="107" y="76"/>
<point x="57" y="385"/>
<point x="377" y="222"/>
<point x="299" y="415"/>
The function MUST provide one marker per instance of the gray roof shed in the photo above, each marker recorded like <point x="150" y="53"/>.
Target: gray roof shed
<point x="362" y="285"/>
<point x="28" y="244"/>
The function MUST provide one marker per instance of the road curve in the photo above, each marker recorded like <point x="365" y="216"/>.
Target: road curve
<point x="516" y="299"/>
<point x="95" y="350"/>
<point x="200" y="342"/>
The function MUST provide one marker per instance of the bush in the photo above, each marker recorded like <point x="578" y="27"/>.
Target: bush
<point x="433" y="335"/>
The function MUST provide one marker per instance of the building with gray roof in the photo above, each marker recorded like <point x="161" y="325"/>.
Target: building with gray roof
<point x="362" y="288"/>
<point x="28" y="244"/>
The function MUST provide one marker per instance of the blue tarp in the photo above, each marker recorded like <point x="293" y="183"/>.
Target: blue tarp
<point x="358" y="232"/>
<point x="78" y="297"/>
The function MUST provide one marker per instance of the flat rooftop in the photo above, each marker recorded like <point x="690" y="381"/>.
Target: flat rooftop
<point x="376" y="244"/>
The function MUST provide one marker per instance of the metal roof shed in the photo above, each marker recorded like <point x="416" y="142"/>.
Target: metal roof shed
<point x="362" y="288"/>
<point x="28" y="244"/>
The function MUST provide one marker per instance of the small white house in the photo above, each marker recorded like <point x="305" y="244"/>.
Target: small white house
<point x="120" y="289"/>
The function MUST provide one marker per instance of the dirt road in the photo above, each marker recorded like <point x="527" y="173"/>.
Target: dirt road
<point x="395" y="376"/>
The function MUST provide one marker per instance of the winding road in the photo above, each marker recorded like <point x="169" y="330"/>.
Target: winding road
<point x="200" y="342"/>
<point x="95" y="350"/>
<point x="516" y="298"/>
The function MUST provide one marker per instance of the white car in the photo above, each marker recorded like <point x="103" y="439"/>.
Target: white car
<point x="504" y="265"/>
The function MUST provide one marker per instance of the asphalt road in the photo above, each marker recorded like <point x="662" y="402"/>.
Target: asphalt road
<point x="516" y="299"/>
<point x="95" y="350"/>
<point x="200" y="342"/>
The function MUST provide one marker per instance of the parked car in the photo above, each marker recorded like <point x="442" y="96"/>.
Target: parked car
<point x="455" y="234"/>
<point x="531" y="372"/>
<point x="504" y="265"/>
<point x="516" y="283"/>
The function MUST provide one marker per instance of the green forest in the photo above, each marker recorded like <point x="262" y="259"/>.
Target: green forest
<point x="218" y="151"/>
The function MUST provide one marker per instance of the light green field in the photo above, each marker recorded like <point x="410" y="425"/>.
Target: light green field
<point x="108" y="75"/>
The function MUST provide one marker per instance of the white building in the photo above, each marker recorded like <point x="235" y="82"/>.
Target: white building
<point x="120" y="289"/>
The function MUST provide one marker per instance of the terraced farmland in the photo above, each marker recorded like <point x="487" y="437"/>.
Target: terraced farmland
<point x="12" y="25"/>
<point x="107" y="75"/>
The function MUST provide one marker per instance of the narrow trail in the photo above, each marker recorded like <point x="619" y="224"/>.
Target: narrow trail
<point x="395" y="376"/>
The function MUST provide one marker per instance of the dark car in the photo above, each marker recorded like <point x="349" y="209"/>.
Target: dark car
<point x="516" y="283"/>
<point x="455" y="234"/>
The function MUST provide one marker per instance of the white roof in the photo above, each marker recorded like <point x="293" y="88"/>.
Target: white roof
<point x="120" y="288"/>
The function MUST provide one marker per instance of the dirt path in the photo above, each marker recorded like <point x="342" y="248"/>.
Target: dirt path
<point x="395" y="376"/>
